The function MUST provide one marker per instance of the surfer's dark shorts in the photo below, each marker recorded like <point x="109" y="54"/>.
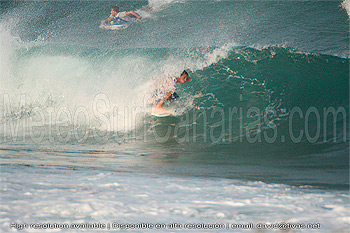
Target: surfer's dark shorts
<point x="173" y="96"/>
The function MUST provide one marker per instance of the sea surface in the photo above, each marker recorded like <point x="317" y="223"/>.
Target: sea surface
<point x="259" y="139"/>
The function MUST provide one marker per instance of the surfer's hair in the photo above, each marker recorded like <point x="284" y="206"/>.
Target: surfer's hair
<point x="184" y="72"/>
<point x="115" y="8"/>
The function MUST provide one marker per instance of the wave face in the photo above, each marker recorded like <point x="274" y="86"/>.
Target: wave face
<point x="269" y="78"/>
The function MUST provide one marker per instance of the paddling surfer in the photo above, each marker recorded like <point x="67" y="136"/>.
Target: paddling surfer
<point x="116" y="15"/>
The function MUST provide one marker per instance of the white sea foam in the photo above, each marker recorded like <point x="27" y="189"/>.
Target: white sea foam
<point x="7" y="47"/>
<point x="134" y="198"/>
<point x="346" y="6"/>
<point x="159" y="4"/>
<point x="75" y="87"/>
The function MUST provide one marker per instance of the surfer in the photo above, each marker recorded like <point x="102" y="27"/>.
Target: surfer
<point x="116" y="15"/>
<point x="171" y="94"/>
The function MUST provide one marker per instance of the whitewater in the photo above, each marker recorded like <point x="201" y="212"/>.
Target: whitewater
<point x="259" y="139"/>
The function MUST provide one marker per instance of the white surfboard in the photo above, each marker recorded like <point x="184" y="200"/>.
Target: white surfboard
<point x="115" y="26"/>
<point x="158" y="113"/>
<point x="119" y="24"/>
<point x="162" y="114"/>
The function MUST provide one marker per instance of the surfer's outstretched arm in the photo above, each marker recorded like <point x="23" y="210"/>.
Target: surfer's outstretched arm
<point x="133" y="13"/>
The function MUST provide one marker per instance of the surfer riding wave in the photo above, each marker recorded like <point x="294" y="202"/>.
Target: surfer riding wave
<point x="119" y="16"/>
<point x="166" y="88"/>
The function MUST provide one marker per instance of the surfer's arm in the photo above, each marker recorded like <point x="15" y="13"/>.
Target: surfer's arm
<point x="162" y="101"/>
<point x="133" y="13"/>
<point x="107" y="20"/>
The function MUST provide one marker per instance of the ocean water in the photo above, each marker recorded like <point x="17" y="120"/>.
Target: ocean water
<point x="260" y="137"/>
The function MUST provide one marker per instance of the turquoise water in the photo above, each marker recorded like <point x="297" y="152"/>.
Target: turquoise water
<point x="260" y="135"/>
